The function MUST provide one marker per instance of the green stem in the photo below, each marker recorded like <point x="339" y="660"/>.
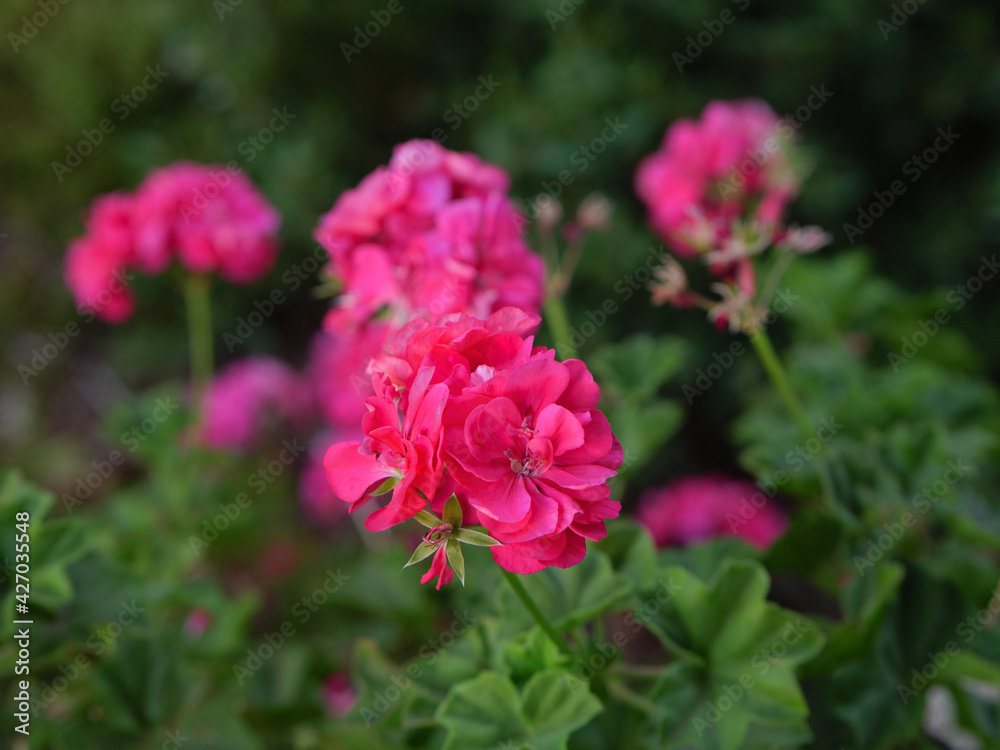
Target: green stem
<point x="776" y="372"/>
<point x="543" y="622"/>
<point x="558" y="323"/>
<point x="631" y="698"/>
<point x="199" y="314"/>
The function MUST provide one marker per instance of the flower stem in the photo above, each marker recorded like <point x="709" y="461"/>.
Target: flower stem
<point x="558" y="323"/>
<point x="199" y="314"/>
<point x="776" y="372"/>
<point x="543" y="622"/>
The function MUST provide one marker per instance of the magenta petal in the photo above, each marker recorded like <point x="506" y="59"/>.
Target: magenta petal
<point x="576" y="477"/>
<point x="560" y="427"/>
<point x="506" y="500"/>
<point x="351" y="473"/>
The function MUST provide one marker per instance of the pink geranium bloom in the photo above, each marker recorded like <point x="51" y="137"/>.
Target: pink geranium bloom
<point x="406" y="453"/>
<point x="338" y="371"/>
<point x="96" y="262"/>
<point x="727" y="166"/>
<point x="515" y="435"/>
<point x="247" y="395"/>
<point x="430" y="235"/>
<point x="694" y="508"/>
<point x="533" y="454"/>
<point x="319" y="501"/>
<point x="211" y="218"/>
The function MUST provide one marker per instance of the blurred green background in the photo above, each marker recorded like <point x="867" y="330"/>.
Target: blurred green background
<point x="562" y="67"/>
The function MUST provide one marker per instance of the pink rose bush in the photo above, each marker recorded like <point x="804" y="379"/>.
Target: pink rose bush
<point x="694" y="508"/>
<point x="431" y="234"/>
<point x="246" y="398"/>
<point x="717" y="190"/>
<point x="469" y="408"/>
<point x="209" y="219"/>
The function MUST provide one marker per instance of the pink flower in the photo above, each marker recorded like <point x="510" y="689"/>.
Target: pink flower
<point x="515" y="435"/>
<point x="317" y="498"/>
<point x="197" y="622"/>
<point x="338" y="371"/>
<point x="699" y="507"/>
<point x="339" y="695"/>
<point x="439" y="569"/>
<point x="245" y="396"/>
<point x="432" y="234"/>
<point x="710" y="173"/>
<point x="209" y="218"/>
<point x="96" y="262"/>
<point x="212" y="218"/>
<point x="533" y="455"/>
<point x="406" y="453"/>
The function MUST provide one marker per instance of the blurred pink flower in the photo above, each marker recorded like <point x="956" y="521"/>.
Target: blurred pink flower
<point x="431" y="234"/>
<point x="727" y="166"/>
<point x="320" y="504"/>
<point x="338" y="371"/>
<point x="211" y="219"/>
<point x="96" y="262"/>
<point x="339" y="695"/>
<point x="197" y="623"/>
<point x="245" y="397"/>
<point x="700" y="507"/>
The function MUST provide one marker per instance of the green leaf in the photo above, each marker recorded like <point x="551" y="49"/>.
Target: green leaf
<point x="453" y="512"/>
<point x="568" y="597"/>
<point x="423" y="551"/>
<point x="632" y="552"/>
<point x="428" y="519"/>
<point x="456" y="558"/>
<point x="476" y="538"/>
<point x="487" y="712"/>
<point x="740" y="689"/>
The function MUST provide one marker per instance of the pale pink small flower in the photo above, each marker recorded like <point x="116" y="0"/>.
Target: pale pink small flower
<point x="339" y="695"/>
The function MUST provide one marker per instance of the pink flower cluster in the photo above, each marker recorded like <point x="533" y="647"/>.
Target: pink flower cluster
<point x="708" y="174"/>
<point x="470" y="407"/>
<point x="211" y="219"/>
<point x="431" y="234"/>
<point x="694" y="508"/>
<point x="245" y="397"/>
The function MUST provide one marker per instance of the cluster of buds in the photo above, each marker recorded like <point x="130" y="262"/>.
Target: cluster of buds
<point x="738" y="302"/>
<point x="444" y="541"/>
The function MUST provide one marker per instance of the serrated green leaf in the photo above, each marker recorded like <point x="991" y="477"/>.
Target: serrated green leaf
<point x="744" y="693"/>
<point x="568" y="597"/>
<point x="487" y="712"/>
